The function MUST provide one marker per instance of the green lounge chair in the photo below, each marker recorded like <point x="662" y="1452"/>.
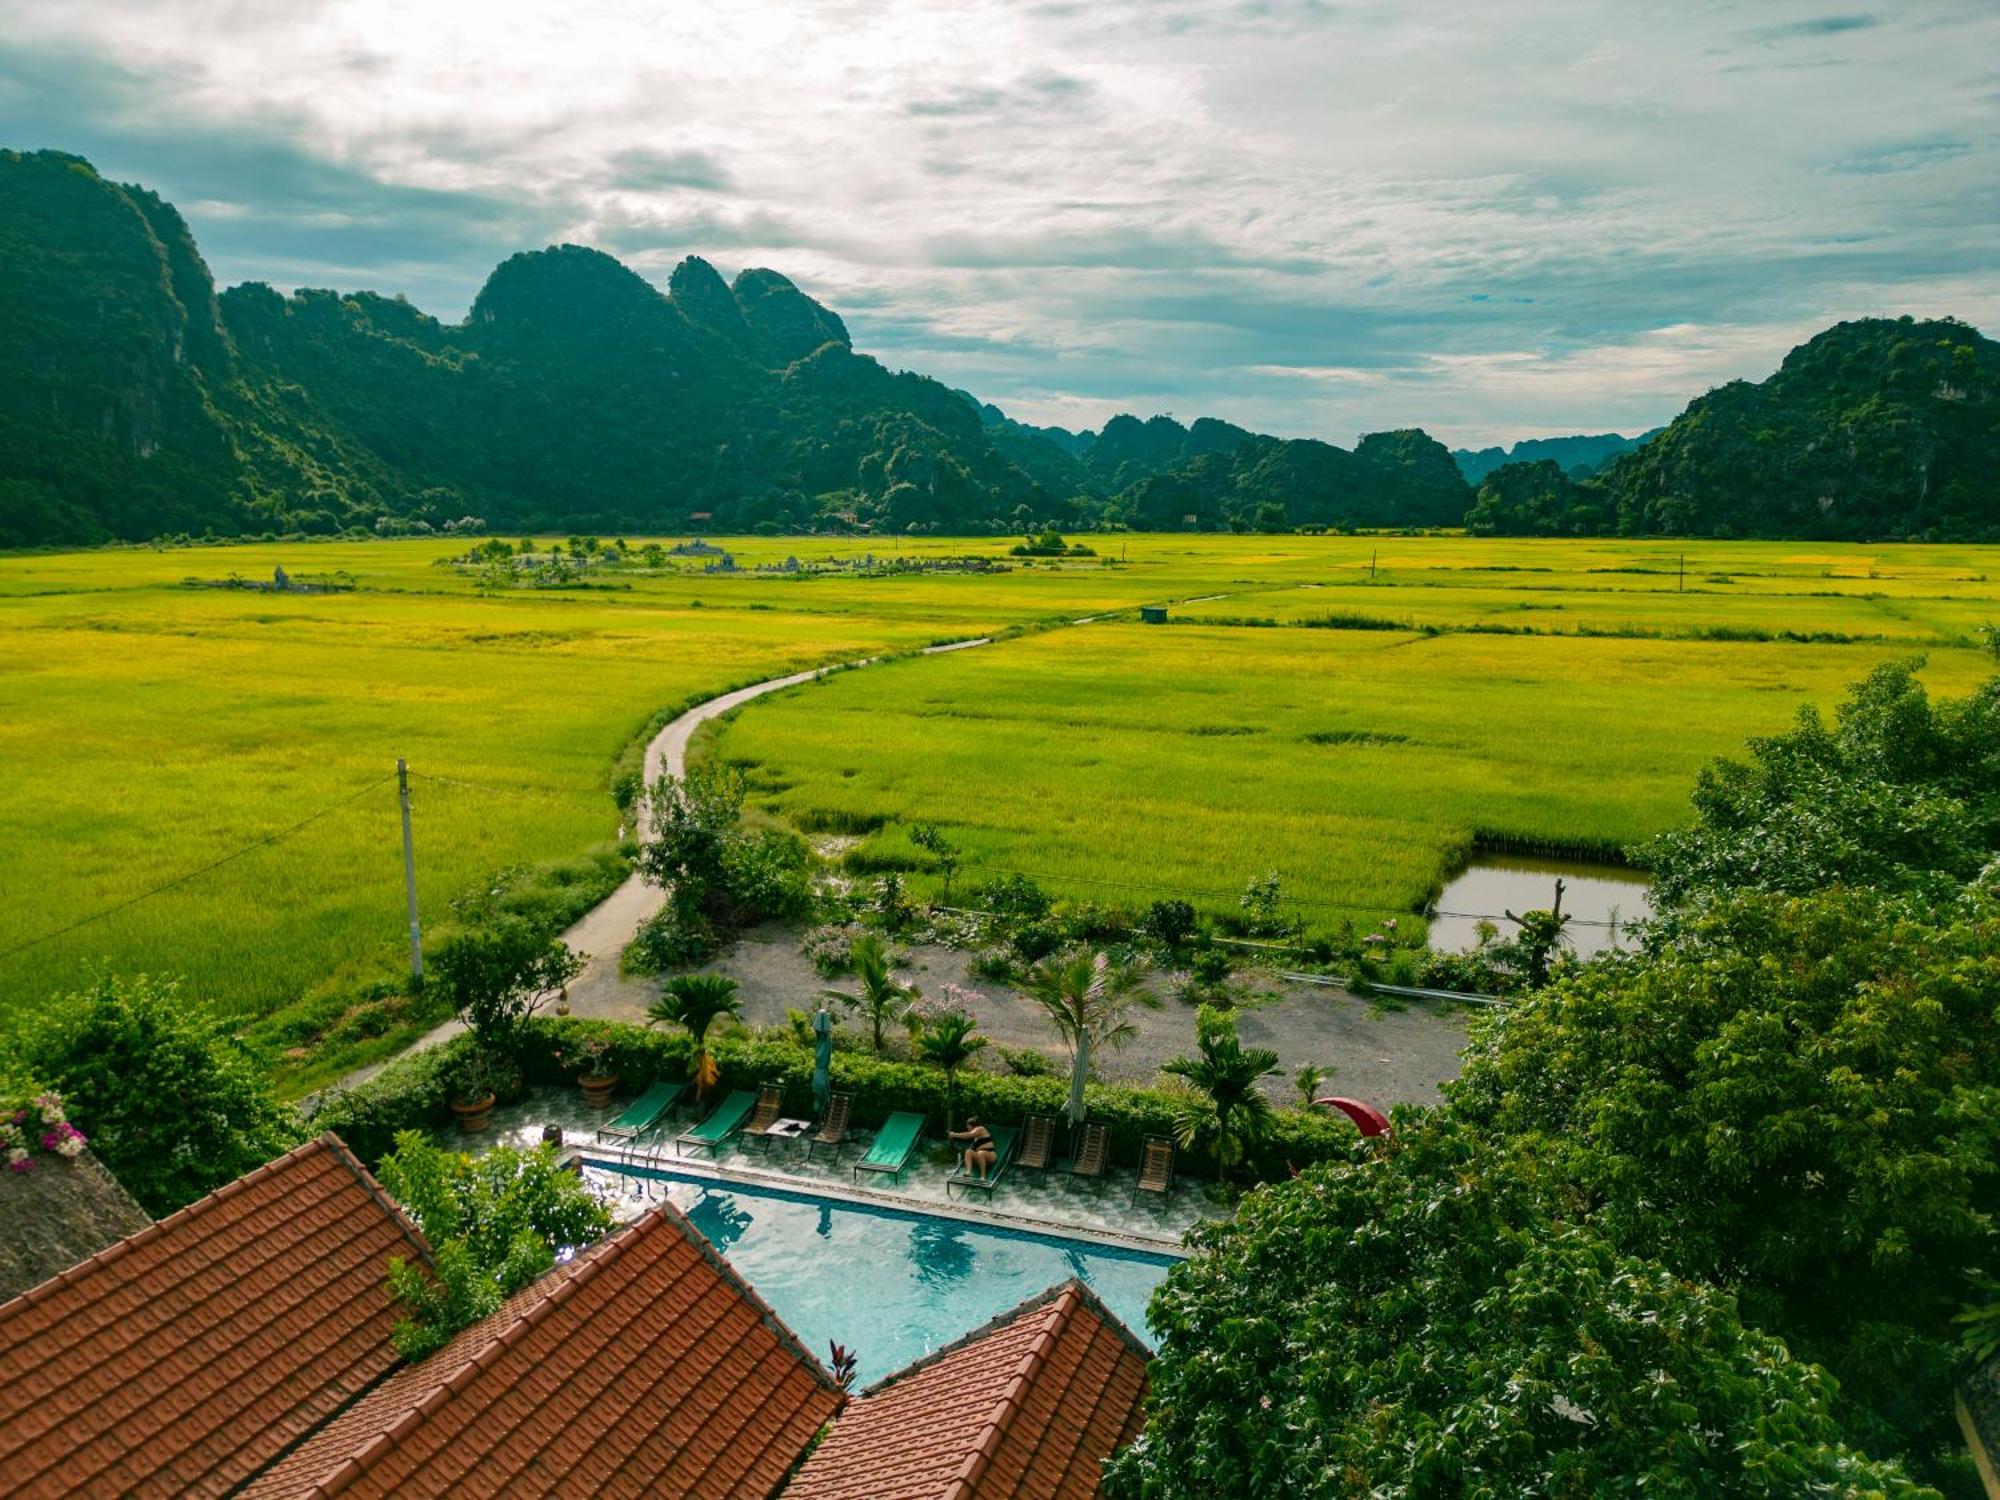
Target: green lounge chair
<point x="723" y="1121"/>
<point x="643" y="1115"/>
<point x="895" y="1144"/>
<point x="1005" y="1138"/>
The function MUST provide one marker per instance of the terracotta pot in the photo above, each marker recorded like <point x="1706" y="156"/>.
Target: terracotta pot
<point x="597" y="1089"/>
<point x="472" y="1114"/>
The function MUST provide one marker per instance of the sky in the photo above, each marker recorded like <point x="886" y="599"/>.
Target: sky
<point x="1493" y="220"/>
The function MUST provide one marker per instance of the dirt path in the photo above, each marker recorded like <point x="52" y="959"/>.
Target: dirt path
<point x="603" y="932"/>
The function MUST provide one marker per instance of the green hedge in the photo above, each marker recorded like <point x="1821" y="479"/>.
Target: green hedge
<point x="417" y="1092"/>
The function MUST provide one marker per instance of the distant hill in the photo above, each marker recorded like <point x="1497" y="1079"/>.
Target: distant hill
<point x="1403" y="478"/>
<point x="136" y="401"/>
<point x="1578" y="457"/>
<point x="1879" y="428"/>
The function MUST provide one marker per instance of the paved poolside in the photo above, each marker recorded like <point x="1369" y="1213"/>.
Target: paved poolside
<point x="1046" y="1202"/>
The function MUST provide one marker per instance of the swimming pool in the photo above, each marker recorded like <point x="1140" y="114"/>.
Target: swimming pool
<point x="890" y="1285"/>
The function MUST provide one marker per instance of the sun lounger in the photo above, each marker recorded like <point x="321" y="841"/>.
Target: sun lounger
<point x="723" y="1121"/>
<point x="643" y="1115"/>
<point x="1156" y="1169"/>
<point x="770" y="1104"/>
<point x="895" y="1144"/>
<point x="1005" y="1139"/>
<point x="832" y="1130"/>
<point x="1038" y="1144"/>
<point x="1092" y="1153"/>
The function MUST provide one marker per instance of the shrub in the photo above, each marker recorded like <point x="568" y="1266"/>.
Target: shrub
<point x="672" y="939"/>
<point x="172" y="1104"/>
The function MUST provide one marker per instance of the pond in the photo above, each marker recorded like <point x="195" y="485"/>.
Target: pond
<point x="1599" y="898"/>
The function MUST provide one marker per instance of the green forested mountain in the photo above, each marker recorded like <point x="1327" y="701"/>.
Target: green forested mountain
<point x="1402" y="478"/>
<point x="1884" y="427"/>
<point x="137" y="402"/>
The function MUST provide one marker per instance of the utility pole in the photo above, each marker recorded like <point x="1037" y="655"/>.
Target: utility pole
<point x="1684" y="573"/>
<point x="410" y="872"/>
<point x="1371" y="563"/>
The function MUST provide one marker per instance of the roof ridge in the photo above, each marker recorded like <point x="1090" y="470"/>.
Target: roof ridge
<point x="373" y="1187"/>
<point x="729" y="1273"/>
<point x="153" y="1230"/>
<point x="1008" y="1404"/>
<point x="992" y="1325"/>
<point x="576" y="1272"/>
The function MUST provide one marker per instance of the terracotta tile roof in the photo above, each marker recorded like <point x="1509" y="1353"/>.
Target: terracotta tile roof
<point x="181" y="1359"/>
<point x="645" y="1365"/>
<point x="1030" y="1405"/>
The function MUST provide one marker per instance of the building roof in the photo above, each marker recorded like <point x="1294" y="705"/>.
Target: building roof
<point x="644" y="1365"/>
<point x="186" y="1356"/>
<point x="1030" y="1405"/>
<point x="58" y="1214"/>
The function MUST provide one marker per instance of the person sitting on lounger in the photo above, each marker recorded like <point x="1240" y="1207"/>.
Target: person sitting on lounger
<point x="979" y="1157"/>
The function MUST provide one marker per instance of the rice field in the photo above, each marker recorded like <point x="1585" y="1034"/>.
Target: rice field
<point x="1345" y="710"/>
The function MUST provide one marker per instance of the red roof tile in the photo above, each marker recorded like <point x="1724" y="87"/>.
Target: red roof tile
<point x="1030" y="1405"/>
<point x="186" y="1356"/>
<point x="645" y="1365"/>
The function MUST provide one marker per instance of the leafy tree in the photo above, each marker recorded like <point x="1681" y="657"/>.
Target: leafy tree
<point x="883" y="997"/>
<point x="1899" y="793"/>
<point x="946" y="1039"/>
<point x="497" y="976"/>
<point x="717" y="876"/>
<point x="1797" y="1099"/>
<point x="1089" y="1001"/>
<point x="696" y="1002"/>
<point x="1231" y="1109"/>
<point x="494" y="1223"/>
<point x="1170" y="923"/>
<point x="172" y="1104"/>
<point x="930" y="838"/>
<point x="1411" y="1324"/>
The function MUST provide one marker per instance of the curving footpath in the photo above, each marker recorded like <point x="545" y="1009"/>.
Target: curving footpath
<point x="607" y="928"/>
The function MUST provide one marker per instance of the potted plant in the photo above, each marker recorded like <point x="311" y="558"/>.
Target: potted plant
<point x="473" y="1103"/>
<point x="595" y="1077"/>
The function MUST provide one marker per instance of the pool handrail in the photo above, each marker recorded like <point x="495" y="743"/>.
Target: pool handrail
<point x="1005" y="1139"/>
<point x="644" y="1114"/>
<point x="895" y="1143"/>
<point x="722" y="1122"/>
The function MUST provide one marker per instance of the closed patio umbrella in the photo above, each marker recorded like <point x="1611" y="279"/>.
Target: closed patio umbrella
<point x="822" y="1060"/>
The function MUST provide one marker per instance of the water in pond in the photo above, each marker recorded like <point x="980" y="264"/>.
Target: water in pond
<point x="1598" y="897"/>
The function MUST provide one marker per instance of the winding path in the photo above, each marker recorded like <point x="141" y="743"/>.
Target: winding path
<point x="607" y="928"/>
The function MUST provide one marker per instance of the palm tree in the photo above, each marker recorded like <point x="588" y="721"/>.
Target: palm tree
<point x="949" y="1041"/>
<point x="1226" y="1076"/>
<point x="1089" y="1001"/>
<point x="697" y="1002"/>
<point x="883" y="998"/>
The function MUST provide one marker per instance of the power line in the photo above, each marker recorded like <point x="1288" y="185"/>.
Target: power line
<point x="493" y="791"/>
<point x="180" y="880"/>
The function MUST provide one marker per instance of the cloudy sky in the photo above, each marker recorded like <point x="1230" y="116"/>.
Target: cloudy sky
<point x="1492" y="219"/>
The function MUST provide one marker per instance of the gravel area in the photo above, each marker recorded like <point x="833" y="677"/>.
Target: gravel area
<point x="1383" y="1056"/>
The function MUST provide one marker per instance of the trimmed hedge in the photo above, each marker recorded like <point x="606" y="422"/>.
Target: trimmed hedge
<point x="417" y="1092"/>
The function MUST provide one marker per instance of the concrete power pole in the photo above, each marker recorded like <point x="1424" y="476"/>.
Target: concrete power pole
<point x="410" y="872"/>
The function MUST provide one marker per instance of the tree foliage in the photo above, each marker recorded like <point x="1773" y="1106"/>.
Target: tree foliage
<point x="494" y="1223"/>
<point x="172" y="1104"/>
<point x="695" y="1003"/>
<point x="1412" y="1323"/>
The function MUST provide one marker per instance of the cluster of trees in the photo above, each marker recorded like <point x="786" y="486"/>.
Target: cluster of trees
<point x="1696" y="1218"/>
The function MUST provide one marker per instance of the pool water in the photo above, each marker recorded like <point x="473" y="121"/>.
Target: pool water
<point x="892" y="1286"/>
